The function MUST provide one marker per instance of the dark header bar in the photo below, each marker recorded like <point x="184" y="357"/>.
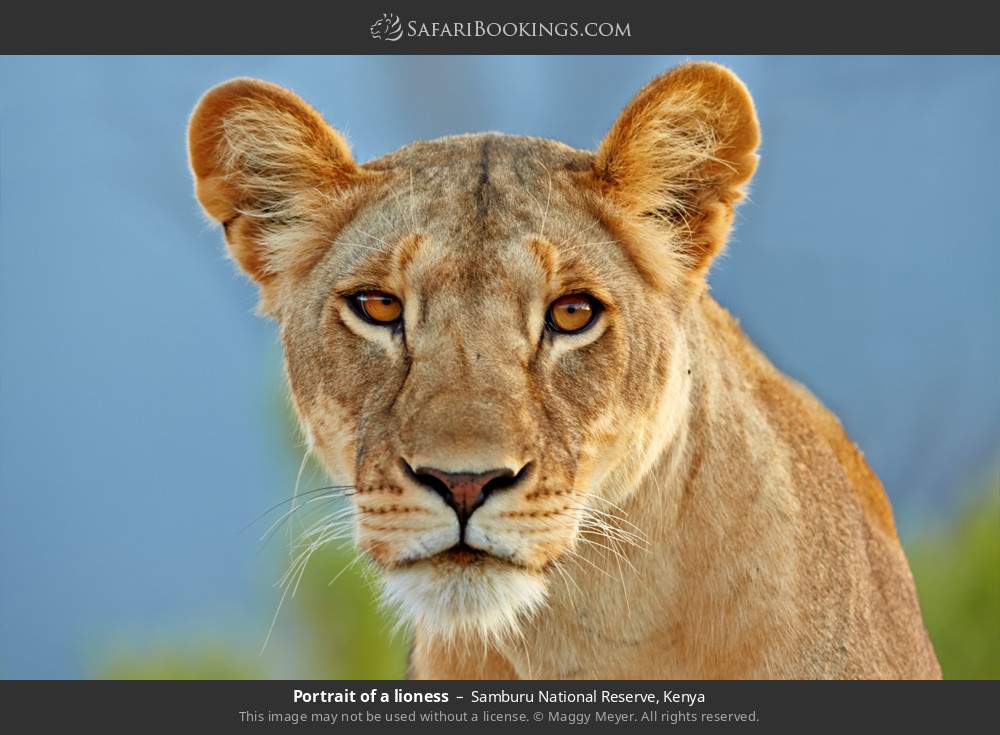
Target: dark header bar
<point x="397" y="27"/>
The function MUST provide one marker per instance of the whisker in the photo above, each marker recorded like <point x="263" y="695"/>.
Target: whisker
<point x="297" y="569"/>
<point x="623" y="518"/>
<point x="580" y="557"/>
<point x="566" y="576"/>
<point x="324" y="522"/>
<point x="357" y="557"/>
<point x="617" y="533"/>
<point x="338" y="488"/>
<point x="616" y="551"/>
<point x="621" y="574"/>
<point x="274" y="619"/>
<point x="295" y="494"/>
<point x="621" y="510"/>
<point x="608" y="521"/>
<point x="618" y="556"/>
<point x="273" y="528"/>
<point x="339" y="525"/>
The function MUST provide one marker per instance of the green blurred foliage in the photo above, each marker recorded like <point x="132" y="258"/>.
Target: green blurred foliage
<point x="350" y="635"/>
<point x="957" y="571"/>
<point x="345" y="635"/>
<point x="189" y="661"/>
<point x="341" y="633"/>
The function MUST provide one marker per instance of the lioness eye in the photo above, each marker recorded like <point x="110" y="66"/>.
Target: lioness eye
<point x="377" y="307"/>
<point x="572" y="313"/>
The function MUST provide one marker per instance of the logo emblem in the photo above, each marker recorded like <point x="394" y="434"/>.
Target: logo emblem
<point x="387" y="28"/>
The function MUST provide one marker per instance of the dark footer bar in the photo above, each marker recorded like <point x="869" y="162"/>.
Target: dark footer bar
<point x="387" y="706"/>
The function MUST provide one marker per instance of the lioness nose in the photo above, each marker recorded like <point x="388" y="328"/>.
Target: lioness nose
<point x="466" y="491"/>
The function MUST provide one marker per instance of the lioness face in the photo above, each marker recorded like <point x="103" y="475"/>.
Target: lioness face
<point x="482" y="333"/>
<point x="472" y="354"/>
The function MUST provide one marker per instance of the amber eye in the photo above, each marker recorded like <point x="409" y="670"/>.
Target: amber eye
<point x="573" y="313"/>
<point x="377" y="307"/>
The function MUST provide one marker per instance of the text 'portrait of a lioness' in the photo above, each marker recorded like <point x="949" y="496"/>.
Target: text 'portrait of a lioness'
<point x="566" y="459"/>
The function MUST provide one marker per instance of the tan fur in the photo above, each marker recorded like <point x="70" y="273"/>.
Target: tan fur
<point x="687" y="510"/>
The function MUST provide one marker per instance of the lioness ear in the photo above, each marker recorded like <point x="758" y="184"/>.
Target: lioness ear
<point x="262" y="160"/>
<point x="679" y="156"/>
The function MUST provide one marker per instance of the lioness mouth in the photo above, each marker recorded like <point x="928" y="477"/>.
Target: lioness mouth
<point x="459" y="554"/>
<point x="465" y="554"/>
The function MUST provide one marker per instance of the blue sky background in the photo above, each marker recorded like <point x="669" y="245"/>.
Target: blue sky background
<point x="140" y="400"/>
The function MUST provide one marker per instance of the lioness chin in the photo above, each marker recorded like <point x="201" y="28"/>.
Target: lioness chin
<point x="566" y="459"/>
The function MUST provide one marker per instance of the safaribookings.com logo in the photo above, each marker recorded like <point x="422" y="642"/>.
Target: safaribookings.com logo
<point x="390" y="28"/>
<point x="387" y="28"/>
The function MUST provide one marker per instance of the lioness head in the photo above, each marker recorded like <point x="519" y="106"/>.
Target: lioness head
<point x="484" y="334"/>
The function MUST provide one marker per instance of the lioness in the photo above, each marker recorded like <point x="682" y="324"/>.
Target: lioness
<point x="567" y="460"/>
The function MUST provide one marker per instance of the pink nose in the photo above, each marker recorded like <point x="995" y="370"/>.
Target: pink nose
<point x="464" y="491"/>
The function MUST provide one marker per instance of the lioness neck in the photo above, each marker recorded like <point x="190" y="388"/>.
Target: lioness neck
<point x="757" y="512"/>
